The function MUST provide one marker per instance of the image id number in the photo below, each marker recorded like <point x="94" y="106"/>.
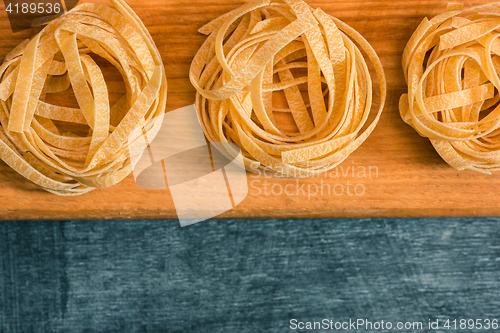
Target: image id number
<point x="471" y="324"/>
<point x="34" y="8"/>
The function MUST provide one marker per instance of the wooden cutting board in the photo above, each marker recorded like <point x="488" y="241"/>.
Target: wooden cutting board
<point x="395" y="173"/>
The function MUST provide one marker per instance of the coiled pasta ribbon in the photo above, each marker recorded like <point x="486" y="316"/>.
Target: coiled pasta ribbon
<point x="266" y="49"/>
<point x="70" y="151"/>
<point x="451" y="65"/>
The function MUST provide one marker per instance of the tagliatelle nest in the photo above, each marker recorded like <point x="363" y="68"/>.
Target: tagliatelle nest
<point x="70" y="151"/>
<point x="451" y="65"/>
<point x="267" y="49"/>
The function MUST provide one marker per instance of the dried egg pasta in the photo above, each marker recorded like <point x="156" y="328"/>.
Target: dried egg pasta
<point x="70" y="151"/>
<point x="451" y="65"/>
<point x="267" y="48"/>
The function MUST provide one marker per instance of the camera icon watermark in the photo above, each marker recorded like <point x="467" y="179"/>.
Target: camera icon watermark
<point x="208" y="179"/>
<point x="26" y="14"/>
<point x="205" y="179"/>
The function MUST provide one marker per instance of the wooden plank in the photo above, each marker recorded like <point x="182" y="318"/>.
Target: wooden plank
<point x="408" y="178"/>
<point x="246" y="276"/>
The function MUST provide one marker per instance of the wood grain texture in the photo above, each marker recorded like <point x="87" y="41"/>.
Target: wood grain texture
<point x="408" y="178"/>
<point x="245" y="276"/>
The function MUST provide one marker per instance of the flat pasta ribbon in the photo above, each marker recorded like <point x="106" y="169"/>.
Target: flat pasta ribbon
<point x="451" y="65"/>
<point x="267" y="49"/>
<point x="70" y="151"/>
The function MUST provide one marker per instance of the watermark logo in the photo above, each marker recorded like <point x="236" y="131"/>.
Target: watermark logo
<point x="347" y="179"/>
<point x="208" y="179"/>
<point x="26" y="14"/>
<point x="205" y="180"/>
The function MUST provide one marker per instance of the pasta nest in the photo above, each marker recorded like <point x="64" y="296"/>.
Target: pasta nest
<point x="451" y="65"/>
<point x="272" y="60"/>
<point x="70" y="151"/>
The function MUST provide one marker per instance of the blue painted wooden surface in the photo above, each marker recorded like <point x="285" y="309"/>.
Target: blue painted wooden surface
<point x="244" y="276"/>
